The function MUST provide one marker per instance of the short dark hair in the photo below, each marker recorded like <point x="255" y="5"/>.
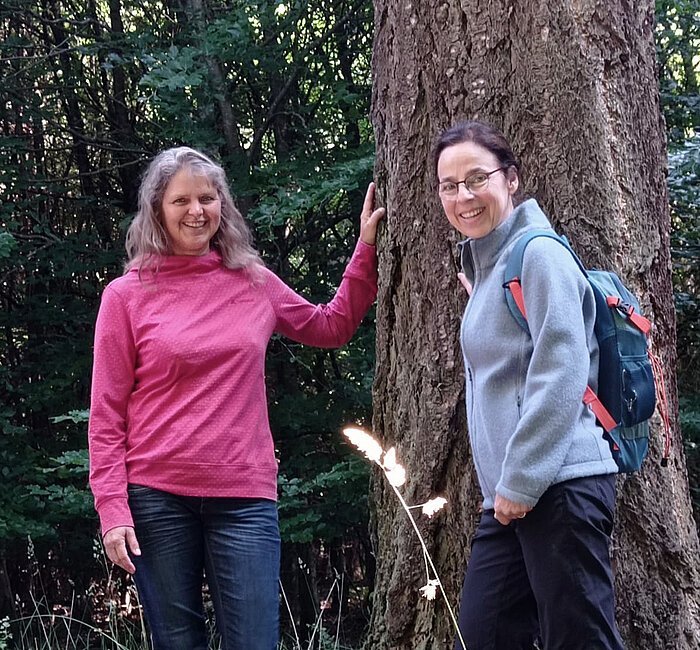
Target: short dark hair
<point x="480" y="133"/>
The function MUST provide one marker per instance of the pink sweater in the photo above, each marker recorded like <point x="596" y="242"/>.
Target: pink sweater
<point x="178" y="386"/>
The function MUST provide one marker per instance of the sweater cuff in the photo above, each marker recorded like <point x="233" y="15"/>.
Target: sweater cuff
<point x="363" y="263"/>
<point x="517" y="497"/>
<point x="114" y="513"/>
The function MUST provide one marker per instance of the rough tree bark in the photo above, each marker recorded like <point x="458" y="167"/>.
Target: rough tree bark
<point x="572" y="83"/>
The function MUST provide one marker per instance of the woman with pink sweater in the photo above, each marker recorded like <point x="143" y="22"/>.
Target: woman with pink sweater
<point x="182" y="462"/>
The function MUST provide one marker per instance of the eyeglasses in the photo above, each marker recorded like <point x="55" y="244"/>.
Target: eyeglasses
<point x="475" y="183"/>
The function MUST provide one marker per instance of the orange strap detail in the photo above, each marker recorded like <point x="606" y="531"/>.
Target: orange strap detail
<point x="603" y="415"/>
<point x="589" y="397"/>
<point x="641" y="323"/>
<point x="517" y="291"/>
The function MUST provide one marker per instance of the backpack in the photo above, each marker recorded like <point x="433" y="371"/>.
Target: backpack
<point x="626" y="396"/>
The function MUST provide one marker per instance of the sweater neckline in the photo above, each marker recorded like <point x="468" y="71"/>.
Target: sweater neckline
<point x="181" y="263"/>
<point x="485" y="251"/>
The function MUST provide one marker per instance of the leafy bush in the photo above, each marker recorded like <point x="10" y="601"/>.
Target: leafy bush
<point x="690" y="425"/>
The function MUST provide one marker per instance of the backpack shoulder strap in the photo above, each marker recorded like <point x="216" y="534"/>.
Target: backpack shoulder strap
<point x="516" y="305"/>
<point x="514" y="270"/>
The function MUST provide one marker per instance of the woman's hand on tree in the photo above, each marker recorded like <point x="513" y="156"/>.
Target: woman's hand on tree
<point x="370" y="218"/>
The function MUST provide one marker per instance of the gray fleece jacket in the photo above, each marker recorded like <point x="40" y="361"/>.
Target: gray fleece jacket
<point x="528" y="427"/>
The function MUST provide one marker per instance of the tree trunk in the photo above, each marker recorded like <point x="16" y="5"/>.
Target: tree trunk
<point x="198" y="11"/>
<point x="67" y="72"/>
<point x="120" y="120"/>
<point x="573" y="87"/>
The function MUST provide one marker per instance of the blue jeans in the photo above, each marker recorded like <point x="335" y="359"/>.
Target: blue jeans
<point x="235" y="542"/>
<point x="545" y="576"/>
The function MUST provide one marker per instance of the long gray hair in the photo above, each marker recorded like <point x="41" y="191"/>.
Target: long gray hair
<point x="147" y="237"/>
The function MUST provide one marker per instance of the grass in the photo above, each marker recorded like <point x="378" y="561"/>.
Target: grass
<point x="120" y="623"/>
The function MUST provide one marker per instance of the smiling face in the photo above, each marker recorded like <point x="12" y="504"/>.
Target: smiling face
<point x="477" y="214"/>
<point x="191" y="213"/>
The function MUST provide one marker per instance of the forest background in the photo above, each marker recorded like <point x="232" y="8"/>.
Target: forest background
<point x="280" y="93"/>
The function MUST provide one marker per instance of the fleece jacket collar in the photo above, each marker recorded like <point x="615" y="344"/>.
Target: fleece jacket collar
<point x="486" y="250"/>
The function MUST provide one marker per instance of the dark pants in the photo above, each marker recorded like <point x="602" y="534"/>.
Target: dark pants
<point x="546" y="576"/>
<point x="234" y="541"/>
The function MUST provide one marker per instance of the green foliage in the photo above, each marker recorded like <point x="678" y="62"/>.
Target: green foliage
<point x="677" y="47"/>
<point x="690" y="420"/>
<point x="5" y="633"/>
<point x="43" y="495"/>
<point x="290" y="194"/>
<point x="689" y="406"/>
<point x="684" y="193"/>
<point x="280" y="94"/>
<point x="678" y="51"/>
<point x="326" y="505"/>
<point x="75" y="416"/>
<point x="8" y="245"/>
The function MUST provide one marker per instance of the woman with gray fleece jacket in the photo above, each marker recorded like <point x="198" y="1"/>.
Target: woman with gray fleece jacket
<point x="539" y="569"/>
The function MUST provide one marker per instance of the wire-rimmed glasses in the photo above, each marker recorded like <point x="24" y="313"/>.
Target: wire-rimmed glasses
<point x="475" y="183"/>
